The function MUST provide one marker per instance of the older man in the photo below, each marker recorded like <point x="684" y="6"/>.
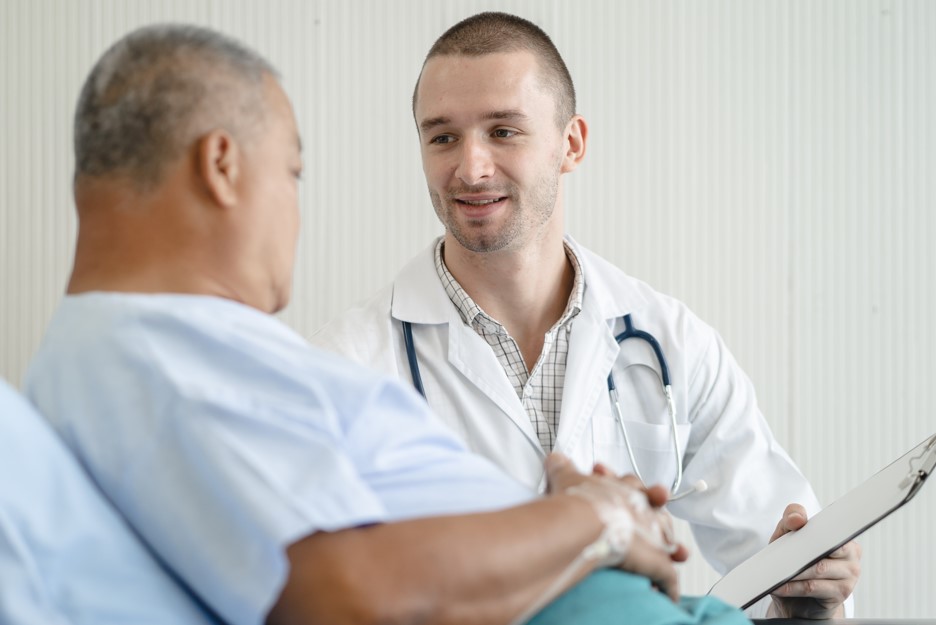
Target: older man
<point x="277" y="482"/>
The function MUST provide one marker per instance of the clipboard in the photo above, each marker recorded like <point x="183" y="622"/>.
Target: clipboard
<point x="836" y="524"/>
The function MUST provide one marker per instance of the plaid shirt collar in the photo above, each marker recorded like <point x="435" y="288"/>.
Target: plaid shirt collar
<point x="472" y="314"/>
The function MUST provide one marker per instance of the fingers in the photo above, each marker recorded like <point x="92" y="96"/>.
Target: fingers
<point x="812" y="598"/>
<point x="833" y="577"/>
<point x="645" y="559"/>
<point x="843" y="563"/>
<point x="560" y="473"/>
<point x="681" y="554"/>
<point x="849" y="551"/>
<point x="657" y="495"/>
<point x="556" y="461"/>
<point x="665" y="521"/>
<point x="820" y="590"/>
<point x="794" y="517"/>
<point x="602" y="469"/>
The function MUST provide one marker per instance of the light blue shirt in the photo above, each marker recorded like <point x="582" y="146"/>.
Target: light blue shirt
<point x="224" y="437"/>
<point x="66" y="557"/>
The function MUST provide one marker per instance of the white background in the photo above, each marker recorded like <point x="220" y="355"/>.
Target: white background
<point x="770" y="163"/>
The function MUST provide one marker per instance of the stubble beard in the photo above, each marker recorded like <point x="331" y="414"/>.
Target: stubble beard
<point x="526" y="217"/>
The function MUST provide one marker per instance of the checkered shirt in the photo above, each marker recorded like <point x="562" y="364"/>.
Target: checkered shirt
<point x="539" y="390"/>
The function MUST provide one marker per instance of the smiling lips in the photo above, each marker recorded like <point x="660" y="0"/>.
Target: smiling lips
<point x="478" y="207"/>
<point x="480" y="202"/>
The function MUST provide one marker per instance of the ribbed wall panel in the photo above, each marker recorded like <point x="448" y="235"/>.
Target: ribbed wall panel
<point x="770" y="163"/>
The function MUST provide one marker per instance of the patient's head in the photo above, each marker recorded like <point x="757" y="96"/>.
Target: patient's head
<point x="186" y="160"/>
<point x="156" y="91"/>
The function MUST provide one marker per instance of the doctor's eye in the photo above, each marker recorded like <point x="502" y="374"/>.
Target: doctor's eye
<point x="441" y="139"/>
<point x="504" y="133"/>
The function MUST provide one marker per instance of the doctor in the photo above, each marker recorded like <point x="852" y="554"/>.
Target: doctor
<point x="512" y="325"/>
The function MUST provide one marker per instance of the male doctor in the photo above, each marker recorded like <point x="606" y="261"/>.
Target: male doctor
<point x="508" y="327"/>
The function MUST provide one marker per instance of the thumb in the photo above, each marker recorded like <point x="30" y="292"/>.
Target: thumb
<point x="558" y="467"/>
<point x="556" y="461"/>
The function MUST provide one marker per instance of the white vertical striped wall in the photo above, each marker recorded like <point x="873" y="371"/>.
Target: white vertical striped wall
<point x="771" y="163"/>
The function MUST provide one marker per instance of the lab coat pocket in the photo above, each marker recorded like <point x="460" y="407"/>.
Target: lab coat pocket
<point x="651" y="443"/>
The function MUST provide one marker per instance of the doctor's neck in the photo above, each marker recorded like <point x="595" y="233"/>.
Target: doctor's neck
<point x="525" y="287"/>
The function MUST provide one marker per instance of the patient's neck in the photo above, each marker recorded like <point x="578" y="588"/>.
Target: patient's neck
<point x="153" y="242"/>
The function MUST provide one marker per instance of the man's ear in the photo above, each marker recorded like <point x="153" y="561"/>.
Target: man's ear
<point x="576" y="136"/>
<point x="220" y="166"/>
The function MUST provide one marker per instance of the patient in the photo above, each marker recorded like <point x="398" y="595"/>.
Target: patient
<point x="278" y="483"/>
<point x="64" y="552"/>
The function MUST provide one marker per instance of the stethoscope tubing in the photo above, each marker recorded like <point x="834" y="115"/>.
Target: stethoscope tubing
<point x="632" y="333"/>
<point x="629" y="333"/>
<point x="411" y="356"/>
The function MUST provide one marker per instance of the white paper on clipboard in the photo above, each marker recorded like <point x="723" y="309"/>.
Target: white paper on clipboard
<point x="829" y="529"/>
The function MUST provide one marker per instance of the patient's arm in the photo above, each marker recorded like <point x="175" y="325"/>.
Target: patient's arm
<point x="480" y="568"/>
<point x="477" y="569"/>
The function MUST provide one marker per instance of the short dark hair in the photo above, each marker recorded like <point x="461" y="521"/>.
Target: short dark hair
<point x="156" y="90"/>
<point x="491" y="32"/>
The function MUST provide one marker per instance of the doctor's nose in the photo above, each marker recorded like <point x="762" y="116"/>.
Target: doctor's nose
<point x="474" y="162"/>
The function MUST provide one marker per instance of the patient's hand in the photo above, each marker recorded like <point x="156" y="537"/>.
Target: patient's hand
<point x="650" y="550"/>
<point x="820" y="591"/>
<point x="657" y="496"/>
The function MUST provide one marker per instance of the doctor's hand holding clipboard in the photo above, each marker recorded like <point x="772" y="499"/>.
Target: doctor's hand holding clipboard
<point x="820" y="558"/>
<point x="820" y="591"/>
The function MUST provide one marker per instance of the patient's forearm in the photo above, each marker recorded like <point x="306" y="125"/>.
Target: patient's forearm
<point x="471" y="569"/>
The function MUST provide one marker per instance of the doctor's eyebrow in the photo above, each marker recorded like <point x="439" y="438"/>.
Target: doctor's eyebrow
<point x="428" y="124"/>
<point x="507" y="114"/>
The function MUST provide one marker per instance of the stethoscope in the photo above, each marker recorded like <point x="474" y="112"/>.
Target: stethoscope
<point x="629" y="333"/>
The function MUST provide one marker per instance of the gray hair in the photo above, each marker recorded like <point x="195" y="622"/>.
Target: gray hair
<point x="159" y="88"/>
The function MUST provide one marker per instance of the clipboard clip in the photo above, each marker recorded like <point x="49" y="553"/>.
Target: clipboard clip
<point x="917" y="474"/>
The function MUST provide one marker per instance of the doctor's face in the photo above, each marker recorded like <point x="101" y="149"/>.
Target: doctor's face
<point x="491" y="150"/>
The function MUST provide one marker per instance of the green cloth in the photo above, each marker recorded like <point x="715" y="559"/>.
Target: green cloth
<point x="611" y="597"/>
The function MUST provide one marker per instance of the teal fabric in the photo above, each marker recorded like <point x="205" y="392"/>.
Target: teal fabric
<point x="610" y="597"/>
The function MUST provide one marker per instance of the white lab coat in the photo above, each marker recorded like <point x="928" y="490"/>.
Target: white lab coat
<point x="723" y="436"/>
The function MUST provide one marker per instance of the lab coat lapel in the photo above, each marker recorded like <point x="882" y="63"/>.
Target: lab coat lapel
<point x="473" y="357"/>
<point x="609" y="295"/>
<point x="420" y="298"/>
<point x="592" y="352"/>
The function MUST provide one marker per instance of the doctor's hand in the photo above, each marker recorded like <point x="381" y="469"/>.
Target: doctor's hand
<point x="650" y="550"/>
<point x="820" y="591"/>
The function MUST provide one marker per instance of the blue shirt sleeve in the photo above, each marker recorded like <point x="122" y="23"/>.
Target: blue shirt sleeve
<point x="66" y="556"/>
<point x="225" y="487"/>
